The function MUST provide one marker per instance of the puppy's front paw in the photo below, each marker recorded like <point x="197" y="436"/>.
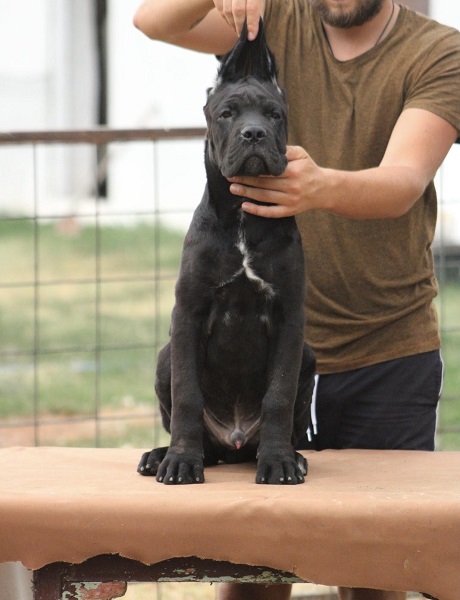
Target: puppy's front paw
<point x="181" y="468"/>
<point x="281" y="468"/>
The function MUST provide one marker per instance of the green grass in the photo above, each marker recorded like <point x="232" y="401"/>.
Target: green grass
<point x="123" y="250"/>
<point x="76" y="340"/>
<point x="126" y="315"/>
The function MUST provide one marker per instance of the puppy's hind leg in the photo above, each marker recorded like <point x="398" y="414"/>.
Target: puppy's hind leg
<point x="301" y="463"/>
<point x="150" y="461"/>
<point x="302" y="417"/>
<point x="163" y="385"/>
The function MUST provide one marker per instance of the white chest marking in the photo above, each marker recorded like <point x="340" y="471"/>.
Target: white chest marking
<point x="265" y="287"/>
<point x="246" y="268"/>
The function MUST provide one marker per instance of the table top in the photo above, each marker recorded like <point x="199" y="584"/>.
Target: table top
<point x="378" y="519"/>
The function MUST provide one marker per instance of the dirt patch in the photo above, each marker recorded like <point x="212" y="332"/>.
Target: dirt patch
<point x="82" y="430"/>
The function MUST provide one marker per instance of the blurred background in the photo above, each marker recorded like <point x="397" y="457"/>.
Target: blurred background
<point x="91" y="225"/>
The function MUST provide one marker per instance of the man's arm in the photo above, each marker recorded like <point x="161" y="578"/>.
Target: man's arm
<point x="417" y="148"/>
<point x="204" y="25"/>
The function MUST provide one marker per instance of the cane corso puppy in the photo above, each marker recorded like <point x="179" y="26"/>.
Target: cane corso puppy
<point x="235" y="381"/>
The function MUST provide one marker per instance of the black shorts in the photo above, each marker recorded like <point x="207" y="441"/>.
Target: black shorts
<point x="391" y="405"/>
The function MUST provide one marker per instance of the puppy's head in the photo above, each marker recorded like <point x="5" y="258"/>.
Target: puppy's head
<point x="246" y="112"/>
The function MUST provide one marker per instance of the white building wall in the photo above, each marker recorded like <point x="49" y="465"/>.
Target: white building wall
<point x="448" y="181"/>
<point x="47" y="80"/>
<point x="155" y="85"/>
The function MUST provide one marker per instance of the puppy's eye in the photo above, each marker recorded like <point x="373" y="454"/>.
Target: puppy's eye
<point x="275" y="114"/>
<point x="225" y="114"/>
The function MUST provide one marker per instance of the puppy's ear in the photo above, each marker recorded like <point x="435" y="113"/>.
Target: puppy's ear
<point x="248" y="59"/>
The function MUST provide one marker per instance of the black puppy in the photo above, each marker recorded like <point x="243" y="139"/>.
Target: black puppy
<point x="235" y="381"/>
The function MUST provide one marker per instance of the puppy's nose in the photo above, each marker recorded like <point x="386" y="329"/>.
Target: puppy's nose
<point x="253" y="133"/>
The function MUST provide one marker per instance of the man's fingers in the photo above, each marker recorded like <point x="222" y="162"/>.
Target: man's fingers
<point x="235" y="12"/>
<point x="260" y="193"/>
<point x="262" y="181"/>
<point x="254" y="10"/>
<point x="274" y="211"/>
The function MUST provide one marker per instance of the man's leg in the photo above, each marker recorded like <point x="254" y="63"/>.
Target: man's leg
<point x="363" y="594"/>
<point x="255" y="591"/>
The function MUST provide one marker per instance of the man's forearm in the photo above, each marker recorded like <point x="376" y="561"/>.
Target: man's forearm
<point x="379" y="193"/>
<point x="164" y="19"/>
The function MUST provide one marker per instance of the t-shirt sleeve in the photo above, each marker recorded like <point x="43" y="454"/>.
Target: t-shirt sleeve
<point x="435" y="83"/>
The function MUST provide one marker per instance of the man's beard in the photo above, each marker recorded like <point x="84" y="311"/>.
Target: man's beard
<point x="362" y="13"/>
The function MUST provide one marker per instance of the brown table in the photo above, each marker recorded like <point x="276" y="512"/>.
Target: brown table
<point x="378" y="519"/>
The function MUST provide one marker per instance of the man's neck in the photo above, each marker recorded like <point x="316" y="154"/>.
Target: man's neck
<point x="347" y="44"/>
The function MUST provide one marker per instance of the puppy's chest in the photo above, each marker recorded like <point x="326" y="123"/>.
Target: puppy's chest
<point x="247" y="268"/>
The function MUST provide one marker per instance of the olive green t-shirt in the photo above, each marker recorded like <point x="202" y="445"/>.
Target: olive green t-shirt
<point x="370" y="284"/>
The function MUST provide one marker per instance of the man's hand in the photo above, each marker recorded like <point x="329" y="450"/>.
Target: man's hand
<point x="289" y="194"/>
<point x="417" y="147"/>
<point x="235" y="12"/>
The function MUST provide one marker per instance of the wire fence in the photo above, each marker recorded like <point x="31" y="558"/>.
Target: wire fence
<point x="62" y="335"/>
<point x="86" y="290"/>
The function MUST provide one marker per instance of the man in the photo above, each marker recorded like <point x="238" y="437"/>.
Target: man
<point x="374" y="99"/>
